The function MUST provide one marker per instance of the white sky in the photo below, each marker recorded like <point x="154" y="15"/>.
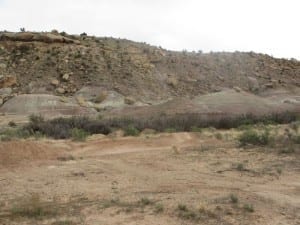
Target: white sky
<point x="266" y="26"/>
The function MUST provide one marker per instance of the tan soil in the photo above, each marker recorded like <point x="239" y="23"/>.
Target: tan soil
<point x="194" y="169"/>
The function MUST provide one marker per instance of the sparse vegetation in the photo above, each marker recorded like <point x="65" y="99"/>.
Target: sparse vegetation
<point x="62" y="128"/>
<point x="254" y="138"/>
<point x="248" y="207"/>
<point x="33" y="207"/>
<point x="145" y="201"/>
<point x="131" y="131"/>
<point x="240" y="167"/>
<point x="233" y="198"/>
<point x="182" y="207"/>
<point x="79" y="134"/>
<point x="219" y="136"/>
<point x="196" y="122"/>
<point x="159" y="208"/>
<point x="12" y="124"/>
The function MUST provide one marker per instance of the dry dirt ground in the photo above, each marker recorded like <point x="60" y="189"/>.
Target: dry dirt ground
<point x="177" y="178"/>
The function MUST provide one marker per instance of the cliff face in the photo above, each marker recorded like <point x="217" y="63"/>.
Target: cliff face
<point x="62" y="64"/>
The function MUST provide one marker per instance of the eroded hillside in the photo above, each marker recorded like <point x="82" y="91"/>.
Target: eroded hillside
<point x="62" y="64"/>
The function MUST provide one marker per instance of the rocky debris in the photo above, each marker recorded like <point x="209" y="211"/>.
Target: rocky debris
<point x="1" y="101"/>
<point x="172" y="81"/>
<point x="2" y="66"/>
<point x="66" y="77"/>
<point x="39" y="37"/>
<point x="81" y="101"/>
<point x="221" y="78"/>
<point x="129" y="100"/>
<point x="60" y="90"/>
<point x="47" y="105"/>
<point x="55" y="82"/>
<point x="5" y="91"/>
<point x="101" y="97"/>
<point x="90" y="93"/>
<point x="269" y="85"/>
<point x="8" y="81"/>
<point x="237" y="89"/>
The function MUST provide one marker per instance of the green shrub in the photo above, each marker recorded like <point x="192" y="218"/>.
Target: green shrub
<point x="131" y="131"/>
<point x="233" y="198"/>
<point x="196" y="129"/>
<point x="79" y="134"/>
<point x="158" y="208"/>
<point x="170" y="130"/>
<point x="254" y="138"/>
<point x="145" y="201"/>
<point x="218" y="136"/>
<point x="248" y="207"/>
<point x="13" y="133"/>
<point x="182" y="207"/>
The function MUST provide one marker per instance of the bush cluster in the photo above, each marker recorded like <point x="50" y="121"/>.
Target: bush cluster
<point x="62" y="128"/>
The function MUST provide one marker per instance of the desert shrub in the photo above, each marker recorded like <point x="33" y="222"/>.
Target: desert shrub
<point x="254" y="138"/>
<point x="196" y="129"/>
<point x="61" y="128"/>
<point x="13" y="133"/>
<point x="33" y="207"/>
<point x="145" y="201"/>
<point x="233" y="198"/>
<point x="79" y="134"/>
<point x="248" y="207"/>
<point x="218" y="136"/>
<point x="170" y="130"/>
<point x="296" y="139"/>
<point x="194" y="121"/>
<point x="131" y="131"/>
<point x="182" y="207"/>
<point x="12" y="124"/>
<point x="159" y="208"/>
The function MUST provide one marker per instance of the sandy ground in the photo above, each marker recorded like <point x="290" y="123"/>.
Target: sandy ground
<point x="142" y="180"/>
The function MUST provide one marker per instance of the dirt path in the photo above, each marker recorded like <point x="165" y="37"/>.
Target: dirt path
<point x="106" y="178"/>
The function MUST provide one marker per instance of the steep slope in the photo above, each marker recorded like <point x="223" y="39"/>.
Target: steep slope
<point x="132" y="69"/>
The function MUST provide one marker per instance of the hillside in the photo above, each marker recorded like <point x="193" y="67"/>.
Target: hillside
<point x="133" y="69"/>
<point x="57" y="74"/>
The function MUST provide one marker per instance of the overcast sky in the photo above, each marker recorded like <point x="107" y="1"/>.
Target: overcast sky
<point x="266" y="26"/>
